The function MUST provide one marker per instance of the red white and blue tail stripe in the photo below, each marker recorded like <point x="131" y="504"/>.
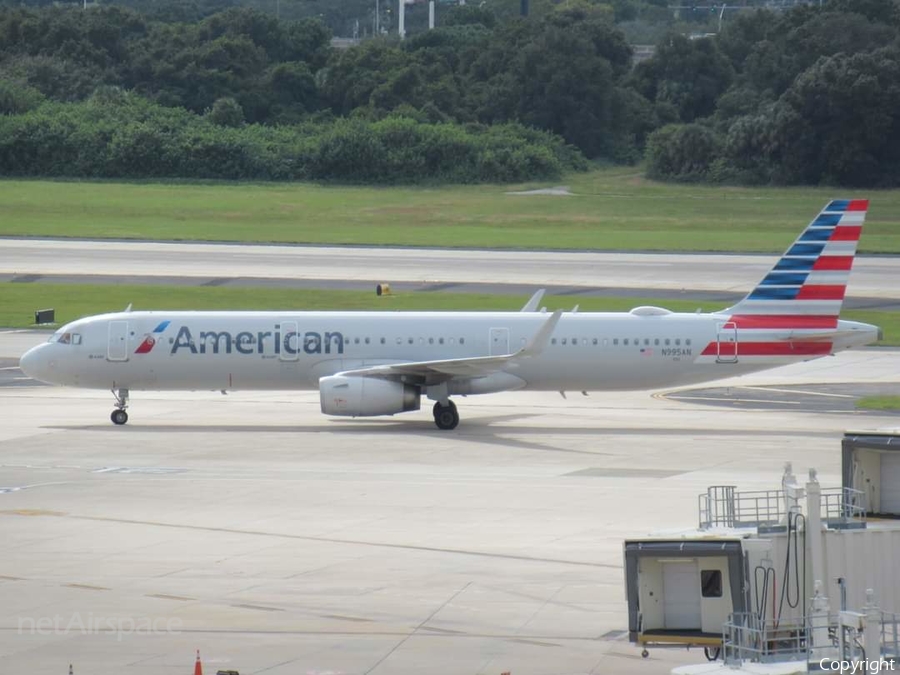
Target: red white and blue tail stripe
<point x="806" y="287"/>
<point x="793" y="312"/>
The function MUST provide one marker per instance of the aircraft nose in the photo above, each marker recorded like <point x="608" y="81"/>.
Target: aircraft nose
<point x="36" y="364"/>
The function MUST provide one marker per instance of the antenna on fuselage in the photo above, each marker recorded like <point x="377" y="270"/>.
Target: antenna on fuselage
<point x="128" y="309"/>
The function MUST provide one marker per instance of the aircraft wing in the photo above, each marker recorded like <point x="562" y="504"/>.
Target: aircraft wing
<point x="435" y="372"/>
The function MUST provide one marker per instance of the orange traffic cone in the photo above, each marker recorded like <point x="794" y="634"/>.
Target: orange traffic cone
<point x="198" y="667"/>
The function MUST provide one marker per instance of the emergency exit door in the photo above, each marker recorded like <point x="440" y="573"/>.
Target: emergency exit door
<point x="499" y="341"/>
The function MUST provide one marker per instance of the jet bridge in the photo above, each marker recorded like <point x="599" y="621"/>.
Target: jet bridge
<point x="756" y="562"/>
<point x="680" y="592"/>
<point x="871" y="464"/>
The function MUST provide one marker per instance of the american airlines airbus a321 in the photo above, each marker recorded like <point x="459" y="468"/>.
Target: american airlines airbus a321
<point x="382" y="363"/>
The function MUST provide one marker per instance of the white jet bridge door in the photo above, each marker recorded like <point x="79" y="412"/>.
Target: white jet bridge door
<point x="890" y="482"/>
<point x="681" y="595"/>
<point x="117" y="346"/>
<point x="727" y="349"/>
<point x="499" y="341"/>
<point x="291" y="342"/>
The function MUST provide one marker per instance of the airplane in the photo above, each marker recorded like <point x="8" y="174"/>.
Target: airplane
<point x="382" y="363"/>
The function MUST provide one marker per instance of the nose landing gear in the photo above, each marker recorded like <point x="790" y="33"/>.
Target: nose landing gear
<point x="445" y="416"/>
<point x="119" y="416"/>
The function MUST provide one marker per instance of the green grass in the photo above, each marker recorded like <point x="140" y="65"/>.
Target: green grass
<point x="614" y="209"/>
<point x="879" y="403"/>
<point x="18" y="302"/>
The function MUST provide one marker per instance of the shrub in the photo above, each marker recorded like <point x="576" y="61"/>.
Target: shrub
<point x="116" y="134"/>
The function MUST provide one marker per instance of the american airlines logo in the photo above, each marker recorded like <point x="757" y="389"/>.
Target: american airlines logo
<point x="290" y="342"/>
<point x="151" y="339"/>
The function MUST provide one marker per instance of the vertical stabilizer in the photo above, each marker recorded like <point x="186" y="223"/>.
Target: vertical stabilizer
<point x="806" y="287"/>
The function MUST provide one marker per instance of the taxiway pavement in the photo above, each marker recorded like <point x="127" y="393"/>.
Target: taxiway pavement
<point x="873" y="276"/>
<point x="279" y="541"/>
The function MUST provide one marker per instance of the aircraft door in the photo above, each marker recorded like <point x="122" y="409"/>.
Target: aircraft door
<point x="117" y="345"/>
<point x="291" y="342"/>
<point x="727" y="343"/>
<point x="499" y="341"/>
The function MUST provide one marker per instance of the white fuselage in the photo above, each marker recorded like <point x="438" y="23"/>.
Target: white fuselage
<point x="293" y="350"/>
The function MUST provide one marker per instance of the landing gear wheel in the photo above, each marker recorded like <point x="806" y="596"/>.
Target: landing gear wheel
<point x="119" y="416"/>
<point x="445" y="416"/>
<point x="645" y="654"/>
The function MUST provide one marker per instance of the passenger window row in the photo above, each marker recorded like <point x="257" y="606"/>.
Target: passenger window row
<point x="409" y="340"/>
<point x="625" y="342"/>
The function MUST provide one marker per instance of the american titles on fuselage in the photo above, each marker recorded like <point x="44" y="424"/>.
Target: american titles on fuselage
<point x="259" y="342"/>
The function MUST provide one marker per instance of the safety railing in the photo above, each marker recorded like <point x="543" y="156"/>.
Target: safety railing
<point x="890" y="635"/>
<point x="843" y="506"/>
<point x="747" y="638"/>
<point x="724" y="506"/>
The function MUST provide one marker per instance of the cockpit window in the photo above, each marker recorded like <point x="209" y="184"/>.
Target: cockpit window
<point x="66" y="338"/>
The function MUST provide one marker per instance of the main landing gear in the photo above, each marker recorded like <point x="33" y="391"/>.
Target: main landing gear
<point x="119" y="416"/>
<point x="445" y="416"/>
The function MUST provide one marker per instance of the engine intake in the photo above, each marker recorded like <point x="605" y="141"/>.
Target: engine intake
<point x="366" y="396"/>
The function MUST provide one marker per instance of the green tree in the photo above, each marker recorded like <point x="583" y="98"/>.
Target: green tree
<point x="563" y="73"/>
<point x="684" y="152"/>
<point x="855" y="138"/>
<point x="354" y="74"/>
<point x="226" y="112"/>
<point x="468" y="15"/>
<point x="688" y="74"/>
<point x="878" y="11"/>
<point x="17" y="98"/>
<point x="56" y="78"/>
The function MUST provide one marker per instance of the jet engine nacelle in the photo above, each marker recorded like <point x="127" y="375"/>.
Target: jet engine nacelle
<point x="366" y="396"/>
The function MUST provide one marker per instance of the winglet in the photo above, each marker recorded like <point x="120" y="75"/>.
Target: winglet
<point x="532" y="305"/>
<point x="542" y="338"/>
